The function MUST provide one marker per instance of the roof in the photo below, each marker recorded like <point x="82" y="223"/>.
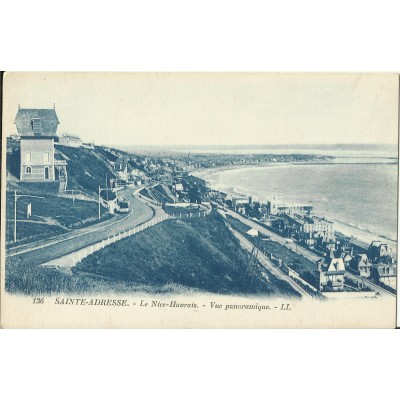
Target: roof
<point x="387" y="271"/>
<point x="336" y="266"/>
<point x="379" y="244"/>
<point x="252" y="232"/>
<point x="345" y="255"/>
<point x="36" y="121"/>
<point x="362" y="260"/>
<point x="308" y="220"/>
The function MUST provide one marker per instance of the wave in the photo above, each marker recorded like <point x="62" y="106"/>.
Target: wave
<point x="326" y="202"/>
<point x="360" y="228"/>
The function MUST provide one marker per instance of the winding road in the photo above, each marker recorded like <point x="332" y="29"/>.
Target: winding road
<point x="45" y="251"/>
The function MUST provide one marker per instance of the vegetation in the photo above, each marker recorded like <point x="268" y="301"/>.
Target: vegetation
<point x="34" y="188"/>
<point x="87" y="169"/>
<point x="304" y="267"/>
<point x="238" y="225"/>
<point x="13" y="159"/>
<point x="109" y="156"/>
<point x="175" y="256"/>
<point x="29" y="279"/>
<point x="200" y="254"/>
<point x="145" y="192"/>
<point x="51" y="216"/>
<point x="31" y="232"/>
<point x="161" y="195"/>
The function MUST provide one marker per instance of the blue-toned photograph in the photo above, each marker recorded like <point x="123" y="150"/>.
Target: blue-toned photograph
<point x="253" y="185"/>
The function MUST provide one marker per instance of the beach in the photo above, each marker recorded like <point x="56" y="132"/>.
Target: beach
<point x="360" y="198"/>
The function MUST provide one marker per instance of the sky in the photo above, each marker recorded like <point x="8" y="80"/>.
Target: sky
<point x="188" y="109"/>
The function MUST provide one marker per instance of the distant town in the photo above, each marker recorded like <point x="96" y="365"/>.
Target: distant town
<point x="61" y="187"/>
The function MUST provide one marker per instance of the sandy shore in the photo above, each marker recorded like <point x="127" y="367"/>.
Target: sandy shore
<point x="361" y="235"/>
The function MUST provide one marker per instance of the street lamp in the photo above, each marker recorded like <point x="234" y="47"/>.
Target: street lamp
<point x="16" y="197"/>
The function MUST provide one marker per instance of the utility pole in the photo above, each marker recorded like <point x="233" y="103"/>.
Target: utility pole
<point x="107" y="187"/>
<point x="15" y="216"/>
<point x="99" y="201"/>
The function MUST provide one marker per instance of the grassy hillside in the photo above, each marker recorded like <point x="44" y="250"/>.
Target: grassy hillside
<point x="87" y="168"/>
<point x="54" y="215"/>
<point x="200" y="254"/>
<point x="161" y="195"/>
<point x="172" y="257"/>
<point x="304" y="267"/>
<point x="13" y="158"/>
<point x="51" y="216"/>
<point x="29" y="279"/>
<point x="109" y="156"/>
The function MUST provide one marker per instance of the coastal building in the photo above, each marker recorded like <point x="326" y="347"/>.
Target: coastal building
<point x="330" y="274"/>
<point x="362" y="265"/>
<point x="322" y="229"/>
<point x="241" y="208"/>
<point x="121" y="169"/>
<point x="379" y="250"/>
<point x="276" y="207"/>
<point x="347" y="258"/>
<point x="178" y="187"/>
<point x="135" y="173"/>
<point x="37" y="128"/>
<point x="385" y="273"/>
<point x="310" y="230"/>
<point x="70" y="140"/>
<point x="236" y="201"/>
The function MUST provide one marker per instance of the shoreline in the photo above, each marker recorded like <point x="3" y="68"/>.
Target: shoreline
<point x="362" y="235"/>
<point x="212" y="170"/>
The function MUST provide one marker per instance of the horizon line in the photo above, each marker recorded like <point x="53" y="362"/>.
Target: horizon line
<point x="260" y="145"/>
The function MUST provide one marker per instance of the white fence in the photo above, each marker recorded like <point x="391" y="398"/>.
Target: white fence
<point x="79" y="255"/>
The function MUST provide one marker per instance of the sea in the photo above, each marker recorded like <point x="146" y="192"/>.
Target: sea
<point x="356" y="188"/>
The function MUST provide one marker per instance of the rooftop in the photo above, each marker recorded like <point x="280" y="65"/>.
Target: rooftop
<point x="36" y="121"/>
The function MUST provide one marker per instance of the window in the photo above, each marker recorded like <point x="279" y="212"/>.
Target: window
<point x="46" y="173"/>
<point x="28" y="157"/>
<point x="46" y="157"/>
<point x="28" y="170"/>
